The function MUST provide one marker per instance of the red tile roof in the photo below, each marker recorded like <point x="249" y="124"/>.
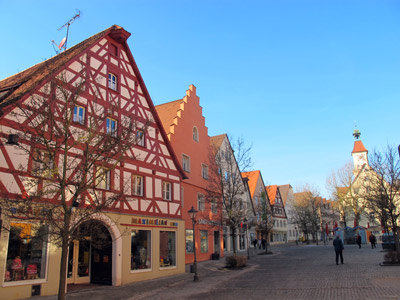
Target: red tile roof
<point x="253" y="177"/>
<point x="216" y="141"/>
<point x="271" y="191"/>
<point x="358" y="147"/>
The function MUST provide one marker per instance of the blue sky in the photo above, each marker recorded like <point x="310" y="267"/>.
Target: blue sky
<point x="290" y="76"/>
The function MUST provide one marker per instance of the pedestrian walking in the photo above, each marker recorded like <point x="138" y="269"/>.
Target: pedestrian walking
<point x="255" y="243"/>
<point x="259" y="244"/>
<point x="263" y="242"/>
<point x="372" y="239"/>
<point x="338" y="244"/>
<point x="358" y="241"/>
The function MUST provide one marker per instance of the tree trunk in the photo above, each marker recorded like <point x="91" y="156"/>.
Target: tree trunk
<point x="233" y="233"/>
<point x="64" y="258"/>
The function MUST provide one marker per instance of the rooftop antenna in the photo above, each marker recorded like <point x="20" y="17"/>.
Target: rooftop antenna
<point x="63" y="43"/>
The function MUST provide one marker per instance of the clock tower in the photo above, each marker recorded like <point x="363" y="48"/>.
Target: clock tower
<point x="359" y="153"/>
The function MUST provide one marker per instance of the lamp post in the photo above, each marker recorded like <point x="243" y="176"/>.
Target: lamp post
<point x="192" y="213"/>
<point x="247" y="238"/>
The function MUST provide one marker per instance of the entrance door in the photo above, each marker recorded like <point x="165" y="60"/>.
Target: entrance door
<point x="79" y="262"/>
<point x="90" y="259"/>
<point x="216" y="242"/>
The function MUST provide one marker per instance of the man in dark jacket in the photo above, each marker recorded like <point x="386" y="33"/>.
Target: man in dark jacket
<point x="338" y="244"/>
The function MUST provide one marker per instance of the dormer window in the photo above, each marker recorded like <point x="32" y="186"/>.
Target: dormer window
<point x="112" y="81"/>
<point x="195" y="134"/>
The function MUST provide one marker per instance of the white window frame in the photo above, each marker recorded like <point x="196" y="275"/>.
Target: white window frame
<point x="140" y="138"/>
<point x="110" y="129"/>
<point x="137" y="187"/>
<point x="103" y="181"/>
<point x="112" y="81"/>
<point x="200" y="202"/>
<point x="77" y="117"/>
<point x="186" y="163"/>
<point x="204" y="171"/>
<point x="167" y="190"/>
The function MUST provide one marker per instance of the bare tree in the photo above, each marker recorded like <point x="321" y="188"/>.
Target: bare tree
<point x="306" y="212"/>
<point x="381" y="189"/>
<point x="264" y="222"/>
<point x="68" y="182"/>
<point x="345" y="190"/>
<point x="227" y="187"/>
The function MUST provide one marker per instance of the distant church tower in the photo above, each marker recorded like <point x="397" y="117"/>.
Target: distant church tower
<point x="359" y="154"/>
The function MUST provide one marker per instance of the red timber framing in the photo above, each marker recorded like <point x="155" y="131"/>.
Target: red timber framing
<point x="95" y="58"/>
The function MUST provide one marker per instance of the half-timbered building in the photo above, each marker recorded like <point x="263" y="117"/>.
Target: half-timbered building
<point x="144" y="224"/>
<point x="279" y="231"/>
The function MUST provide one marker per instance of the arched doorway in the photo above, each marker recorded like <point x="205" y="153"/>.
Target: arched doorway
<point x="90" y="255"/>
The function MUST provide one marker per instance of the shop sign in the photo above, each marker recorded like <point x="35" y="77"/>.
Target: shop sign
<point x="153" y="222"/>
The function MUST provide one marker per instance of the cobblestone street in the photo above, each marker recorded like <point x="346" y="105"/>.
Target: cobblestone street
<point x="292" y="272"/>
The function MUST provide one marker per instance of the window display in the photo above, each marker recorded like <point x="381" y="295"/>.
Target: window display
<point x="27" y="252"/>
<point x="204" y="241"/>
<point x="167" y="249"/>
<point x="140" y="249"/>
<point x="189" y="241"/>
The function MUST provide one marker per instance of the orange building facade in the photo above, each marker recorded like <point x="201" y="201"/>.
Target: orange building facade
<point x="185" y="127"/>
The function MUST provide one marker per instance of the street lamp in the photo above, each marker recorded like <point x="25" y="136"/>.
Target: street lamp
<point x="192" y="213"/>
<point x="247" y="237"/>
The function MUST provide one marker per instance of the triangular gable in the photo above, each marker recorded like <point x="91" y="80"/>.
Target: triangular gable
<point x="16" y="87"/>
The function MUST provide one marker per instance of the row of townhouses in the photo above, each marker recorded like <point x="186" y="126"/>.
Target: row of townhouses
<point x="96" y="181"/>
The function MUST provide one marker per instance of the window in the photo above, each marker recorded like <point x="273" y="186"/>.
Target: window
<point x="42" y="164"/>
<point x="111" y="127"/>
<point x="27" y="252"/>
<point x="186" y="163"/>
<point x="112" y="81"/>
<point x="203" y="241"/>
<point x="195" y="134"/>
<point x="204" y="171"/>
<point x="214" y="206"/>
<point x="200" y="202"/>
<point x="140" y="249"/>
<point x="140" y="138"/>
<point x="166" y="190"/>
<point x="103" y="178"/>
<point x="226" y="175"/>
<point x="189" y="241"/>
<point x="79" y="114"/>
<point x="167" y="249"/>
<point x="137" y="185"/>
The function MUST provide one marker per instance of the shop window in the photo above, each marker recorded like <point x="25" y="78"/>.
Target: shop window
<point x="112" y="81"/>
<point x="203" y="241"/>
<point x="27" y="252"/>
<point x="79" y="114"/>
<point x="189" y="241"/>
<point x="186" y="163"/>
<point x="166" y="190"/>
<point x="140" y="249"/>
<point x="137" y="185"/>
<point x="167" y="249"/>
